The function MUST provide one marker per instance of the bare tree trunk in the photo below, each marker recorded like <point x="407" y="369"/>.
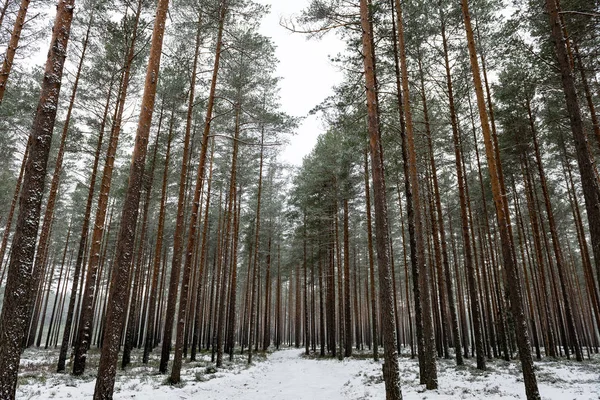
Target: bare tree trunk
<point x="191" y="240"/>
<point x="230" y="217"/>
<point x="427" y="358"/>
<point x="13" y="321"/>
<point x="585" y="161"/>
<point x="253" y="283"/>
<point x="13" y="206"/>
<point x="514" y="285"/>
<point x="437" y="223"/>
<point x="12" y="47"/>
<point x="233" y="292"/>
<point x="49" y="213"/>
<point x="83" y="239"/>
<point x="59" y="290"/>
<point x="347" y="304"/>
<point x="371" y="259"/>
<point x="149" y="344"/>
<point x="133" y="306"/>
<point x="179" y="224"/>
<point x="86" y="317"/>
<point x="556" y="246"/>
<point x="391" y="372"/>
<point x="117" y="299"/>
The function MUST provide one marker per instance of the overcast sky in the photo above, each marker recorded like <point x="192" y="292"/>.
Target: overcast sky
<point x="307" y="75"/>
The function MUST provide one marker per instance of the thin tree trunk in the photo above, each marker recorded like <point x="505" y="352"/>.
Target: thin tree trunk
<point x="133" y="304"/>
<point x="371" y="259"/>
<point x="179" y="224"/>
<point x="83" y="239"/>
<point x="86" y="317"/>
<point x="556" y="246"/>
<point x="13" y="206"/>
<point x="149" y="344"/>
<point x="347" y="305"/>
<point x="12" y="47"/>
<point x="191" y="241"/>
<point x="254" y="284"/>
<point x="230" y="216"/>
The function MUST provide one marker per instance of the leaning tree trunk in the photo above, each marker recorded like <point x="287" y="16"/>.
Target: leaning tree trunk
<point x="391" y="370"/>
<point x="13" y="206"/>
<point x="514" y="284"/>
<point x="13" y="45"/>
<point x="117" y="299"/>
<point x="556" y="245"/>
<point x="83" y="239"/>
<point x="49" y="213"/>
<point x="179" y="224"/>
<point x="13" y="321"/>
<point x="149" y="343"/>
<point x="585" y="160"/>
<point x="86" y="317"/>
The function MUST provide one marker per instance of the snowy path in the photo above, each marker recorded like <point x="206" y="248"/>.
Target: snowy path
<point x="286" y="375"/>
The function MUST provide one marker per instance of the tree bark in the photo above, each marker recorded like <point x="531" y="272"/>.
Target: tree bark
<point x="13" y="320"/>
<point x="12" y="47"/>
<point x="585" y="161"/>
<point x="49" y="213"/>
<point x="83" y="239"/>
<point x="117" y="299"/>
<point x="179" y="224"/>
<point x="371" y="260"/>
<point x="427" y="358"/>
<point x="191" y="241"/>
<point x="149" y="343"/>
<point x="86" y="317"/>
<point x="391" y="371"/>
<point x="514" y="285"/>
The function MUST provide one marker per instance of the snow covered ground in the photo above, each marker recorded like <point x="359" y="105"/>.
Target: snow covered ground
<point x="288" y="375"/>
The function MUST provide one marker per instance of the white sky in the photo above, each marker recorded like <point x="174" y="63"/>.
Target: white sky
<point x="307" y="75"/>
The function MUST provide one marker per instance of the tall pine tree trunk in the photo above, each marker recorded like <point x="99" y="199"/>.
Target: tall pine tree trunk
<point x="179" y="224"/>
<point x="149" y="343"/>
<point x="13" y="321"/>
<point x="514" y="284"/>
<point x="86" y="316"/>
<point x="391" y="372"/>
<point x="83" y="239"/>
<point x="585" y="160"/>
<point x="427" y="358"/>
<point x="191" y="240"/>
<point x="117" y="299"/>
<point x="49" y="213"/>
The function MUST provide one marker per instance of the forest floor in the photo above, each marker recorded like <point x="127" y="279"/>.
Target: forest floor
<point x="288" y="375"/>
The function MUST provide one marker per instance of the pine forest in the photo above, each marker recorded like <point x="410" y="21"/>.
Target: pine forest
<point x="315" y="199"/>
